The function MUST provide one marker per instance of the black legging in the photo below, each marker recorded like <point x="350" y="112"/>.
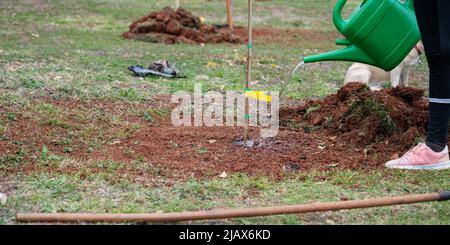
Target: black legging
<point x="433" y="17"/>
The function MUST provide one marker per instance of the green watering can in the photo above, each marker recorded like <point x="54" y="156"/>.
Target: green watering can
<point x="378" y="32"/>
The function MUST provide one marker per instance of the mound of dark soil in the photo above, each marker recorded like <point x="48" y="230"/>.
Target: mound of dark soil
<point x="392" y="116"/>
<point x="180" y="26"/>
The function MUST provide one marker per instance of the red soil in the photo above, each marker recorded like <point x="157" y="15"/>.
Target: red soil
<point x="354" y="128"/>
<point x="357" y="137"/>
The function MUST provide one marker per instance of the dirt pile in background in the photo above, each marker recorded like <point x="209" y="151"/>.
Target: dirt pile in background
<point x="180" y="26"/>
<point x="394" y="117"/>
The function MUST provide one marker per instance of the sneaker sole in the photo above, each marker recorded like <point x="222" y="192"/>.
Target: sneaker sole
<point x="436" y="166"/>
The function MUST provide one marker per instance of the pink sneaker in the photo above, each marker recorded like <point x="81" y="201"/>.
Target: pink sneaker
<point x="422" y="157"/>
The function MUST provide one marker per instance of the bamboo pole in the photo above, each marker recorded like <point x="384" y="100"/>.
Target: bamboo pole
<point x="232" y="213"/>
<point x="229" y="15"/>
<point x="249" y="70"/>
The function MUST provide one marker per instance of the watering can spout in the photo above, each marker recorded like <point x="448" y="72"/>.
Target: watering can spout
<point x="350" y="53"/>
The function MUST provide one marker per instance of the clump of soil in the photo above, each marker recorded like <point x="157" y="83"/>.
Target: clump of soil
<point x="180" y="26"/>
<point x="394" y="117"/>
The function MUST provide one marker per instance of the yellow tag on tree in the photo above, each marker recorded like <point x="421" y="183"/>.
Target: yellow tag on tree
<point x="259" y="95"/>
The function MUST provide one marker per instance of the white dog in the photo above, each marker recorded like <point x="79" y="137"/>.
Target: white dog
<point x="374" y="76"/>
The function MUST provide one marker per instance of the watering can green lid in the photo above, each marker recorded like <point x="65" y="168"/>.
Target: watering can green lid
<point x="378" y="32"/>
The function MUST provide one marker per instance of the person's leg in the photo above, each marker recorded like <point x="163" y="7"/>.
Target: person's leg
<point x="444" y="27"/>
<point x="433" y="154"/>
<point x="435" y="30"/>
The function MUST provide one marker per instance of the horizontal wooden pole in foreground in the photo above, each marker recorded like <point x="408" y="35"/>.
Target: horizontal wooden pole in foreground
<point x="231" y="213"/>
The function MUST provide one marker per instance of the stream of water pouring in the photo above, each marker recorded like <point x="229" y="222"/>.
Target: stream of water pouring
<point x="298" y="66"/>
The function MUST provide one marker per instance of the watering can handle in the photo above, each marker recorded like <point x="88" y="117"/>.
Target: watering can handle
<point x="339" y="22"/>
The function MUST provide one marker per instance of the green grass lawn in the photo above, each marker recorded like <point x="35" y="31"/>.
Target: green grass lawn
<point x="71" y="50"/>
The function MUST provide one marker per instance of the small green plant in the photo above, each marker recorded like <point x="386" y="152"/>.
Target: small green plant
<point x="68" y="149"/>
<point x="11" y="116"/>
<point x="44" y="153"/>
<point x="202" y="150"/>
<point x="48" y="159"/>
<point x="32" y="84"/>
<point x="148" y="117"/>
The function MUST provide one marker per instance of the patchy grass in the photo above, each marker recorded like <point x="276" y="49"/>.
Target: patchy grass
<point x="64" y="72"/>
<point x="45" y="192"/>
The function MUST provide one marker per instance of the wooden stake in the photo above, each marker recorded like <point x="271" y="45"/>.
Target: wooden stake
<point x="249" y="63"/>
<point x="177" y="4"/>
<point x="229" y="15"/>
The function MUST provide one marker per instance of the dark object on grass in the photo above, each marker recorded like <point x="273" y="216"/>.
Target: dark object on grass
<point x="159" y="68"/>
